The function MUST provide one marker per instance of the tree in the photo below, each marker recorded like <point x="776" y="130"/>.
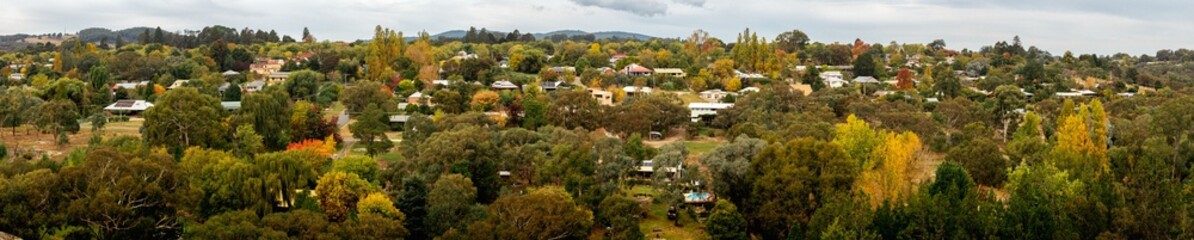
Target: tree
<point x="413" y="202"/>
<point x="812" y="77"/>
<point x="125" y="196"/>
<point x="247" y="141"/>
<point x="484" y="100"/>
<point x="865" y="65"/>
<point x="303" y="84"/>
<point x="729" y="164"/>
<point x="269" y="113"/>
<point x="370" y="129"/>
<point x="857" y="138"/>
<point x="18" y="108"/>
<point x="573" y="109"/>
<point x="228" y="183"/>
<point x="359" y="96"/>
<point x="183" y="118"/>
<point x="1006" y="99"/>
<point x="983" y="158"/>
<point x="535" y="113"/>
<point x="726" y="223"/>
<point x="365" y="167"/>
<point x="620" y="215"/>
<point x="886" y="177"/>
<point x="946" y="83"/>
<point x="59" y="116"/>
<point x="383" y="52"/>
<point x="544" y="213"/>
<point x="449" y="204"/>
<point x="904" y="79"/>
<point x="339" y="192"/>
<point x="791" y="41"/>
<point x="283" y="173"/>
<point x="790" y="181"/>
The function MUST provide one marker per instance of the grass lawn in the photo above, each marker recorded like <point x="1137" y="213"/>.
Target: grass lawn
<point x="657" y="218"/>
<point x="691" y="98"/>
<point x="698" y="148"/>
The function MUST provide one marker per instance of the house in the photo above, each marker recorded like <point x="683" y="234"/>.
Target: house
<point x="398" y="121"/>
<point x="230" y="73"/>
<point x="647" y="169"/>
<point x="504" y="64"/>
<point x="714" y="94"/>
<point x="441" y="83"/>
<point x="865" y="79"/>
<point x="503" y="85"/>
<point x="671" y="72"/>
<point x="697" y="111"/>
<point x="561" y="70"/>
<point x="743" y="75"/>
<point x="634" y="70"/>
<point x="748" y="90"/>
<point x="606" y="70"/>
<point x="128" y="106"/>
<point x="223" y="87"/>
<point x="230" y="105"/>
<point x="266" y="66"/>
<point x="602" y="97"/>
<point x="551" y="85"/>
<point x="16" y="77"/>
<point x="253" y="86"/>
<point x="834" y="82"/>
<point x="418" y="98"/>
<point x="832" y="74"/>
<point x="1079" y="93"/>
<point x="178" y="84"/>
<point x="278" y="77"/>
<point x="613" y="61"/>
<point x="129" y="85"/>
<point x="462" y="55"/>
<point x="634" y="91"/>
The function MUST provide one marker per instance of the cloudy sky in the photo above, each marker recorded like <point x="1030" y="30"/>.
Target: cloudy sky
<point x="1084" y="26"/>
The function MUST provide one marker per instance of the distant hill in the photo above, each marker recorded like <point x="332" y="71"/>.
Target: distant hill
<point x="569" y="33"/>
<point x="97" y="34"/>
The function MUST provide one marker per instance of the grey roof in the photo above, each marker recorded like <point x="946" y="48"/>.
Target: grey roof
<point x="866" y="79"/>
<point x="255" y="84"/>
<point x="230" y="105"/>
<point x="399" y="118"/>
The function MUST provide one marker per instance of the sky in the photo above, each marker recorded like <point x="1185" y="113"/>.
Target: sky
<point x="1083" y="26"/>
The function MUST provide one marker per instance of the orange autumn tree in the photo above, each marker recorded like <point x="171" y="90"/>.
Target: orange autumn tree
<point x="904" y="79"/>
<point x="322" y="147"/>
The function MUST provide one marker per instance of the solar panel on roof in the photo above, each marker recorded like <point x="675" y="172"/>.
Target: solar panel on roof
<point x="125" y="103"/>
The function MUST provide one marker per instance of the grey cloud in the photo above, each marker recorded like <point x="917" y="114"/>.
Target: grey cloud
<point x="648" y="8"/>
<point x="695" y="3"/>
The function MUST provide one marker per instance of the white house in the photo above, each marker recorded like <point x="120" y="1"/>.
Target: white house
<point x="834" y="82"/>
<point x="128" y="106"/>
<point x="503" y="85"/>
<point x="178" y="84"/>
<point x="16" y="77"/>
<point x="633" y="91"/>
<point x="748" y="90"/>
<point x="671" y="72"/>
<point x="696" y="110"/>
<point x="253" y="86"/>
<point x="865" y="79"/>
<point x="714" y="94"/>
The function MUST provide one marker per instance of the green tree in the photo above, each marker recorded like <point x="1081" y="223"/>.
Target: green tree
<point x="450" y="204"/>
<point x="183" y="118"/>
<point x="227" y="182"/>
<point x="268" y="112"/>
<point x="363" y="166"/>
<point x="726" y="223"/>
<point x="59" y="116"/>
<point x="303" y="84"/>
<point x="535" y="112"/>
<point x="982" y="157"/>
<point x="864" y="65"/>
<point x="357" y="97"/>
<point x="370" y="129"/>
<point x="544" y="213"/>
<point x="413" y="202"/>
<point x="284" y="173"/>
<point x="620" y="215"/>
<point x="574" y="109"/>
<point x="790" y="181"/>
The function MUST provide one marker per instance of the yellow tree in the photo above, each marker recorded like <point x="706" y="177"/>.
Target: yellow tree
<point x="733" y="84"/>
<point x="383" y="50"/>
<point x="886" y="177"/>
<point x="1098" y="126"/>
<point x="857" y="138"/>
